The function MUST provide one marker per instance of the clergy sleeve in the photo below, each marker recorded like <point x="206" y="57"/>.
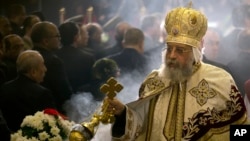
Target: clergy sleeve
<point x="119" y="126"/>
<point x="130" y="128"/>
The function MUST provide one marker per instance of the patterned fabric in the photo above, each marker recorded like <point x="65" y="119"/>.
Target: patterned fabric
<point x="203" y="92"/>
<point x="203" y="120"/>
<point x="206" y="106"/>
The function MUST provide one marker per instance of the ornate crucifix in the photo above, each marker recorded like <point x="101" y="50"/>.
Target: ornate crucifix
<point x="111" y="88"/>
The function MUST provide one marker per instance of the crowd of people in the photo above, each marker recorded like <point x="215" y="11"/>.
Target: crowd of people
<point x="183" y="67"/>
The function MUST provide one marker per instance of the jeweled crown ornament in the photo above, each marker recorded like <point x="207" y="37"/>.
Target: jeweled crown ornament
<point x="186" y="26"/>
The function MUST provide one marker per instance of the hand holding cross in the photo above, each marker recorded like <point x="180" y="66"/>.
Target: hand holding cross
<point x="111" y="88"/>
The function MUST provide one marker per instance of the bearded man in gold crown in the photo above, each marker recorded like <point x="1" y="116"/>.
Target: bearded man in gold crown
<point x="185" y="99"/>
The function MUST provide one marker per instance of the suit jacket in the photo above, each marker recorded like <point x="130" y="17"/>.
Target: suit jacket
<point x="16" y="29"/>
<point x="78" y="65"/>
<point x="129" y="60"/>
<point x="113" y="49"/>
<point x="240" y="68"/>
<point x="8" y="67"/>
<point x="21" y="97"/>
<point x="217" y="64"/>
<point x="56" y="78"/>
<point x="4" y="130"/>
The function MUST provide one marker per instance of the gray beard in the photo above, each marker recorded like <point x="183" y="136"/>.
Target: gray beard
<point x="180" y="73"/>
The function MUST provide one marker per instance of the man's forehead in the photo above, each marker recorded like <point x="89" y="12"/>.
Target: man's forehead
<point x="178" y="44"/>
<point x="16" y="42"/>
<point x="16" y="39"/>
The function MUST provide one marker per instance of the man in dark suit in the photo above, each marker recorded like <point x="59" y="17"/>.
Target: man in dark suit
<point x="240" y="66"/>
<point x="77" y="63"/>
<point x="212" y="49"/>
<point x="24" y="95"/>
<point x="117" y="47"/>
<point x="4" y="129"/>
<point x="95" y="45"/>
<point x="13" y="45"/>
<point x="16" y="14"/>
<point x="131" y="58"/>
<point x="46" y="40"/>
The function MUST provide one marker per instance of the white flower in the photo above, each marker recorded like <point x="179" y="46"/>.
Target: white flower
<point x="43" y="136"/>
<point x="54" y="130"/>
<point x="56" y="138"/>
<point x="43" y="125"/>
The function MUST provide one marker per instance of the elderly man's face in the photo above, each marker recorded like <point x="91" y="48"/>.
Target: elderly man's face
<point x="53" y="41"/>
<point x="17" y="46"/>
<point x="84" y="37"/>
<point x="40" y="70"/>
<point x="178" y="61"/>
<point x="212" y="44"/>
<point x="5" y="28"/>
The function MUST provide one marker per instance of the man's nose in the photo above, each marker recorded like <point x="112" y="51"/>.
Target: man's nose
<point x="172" y="53"/>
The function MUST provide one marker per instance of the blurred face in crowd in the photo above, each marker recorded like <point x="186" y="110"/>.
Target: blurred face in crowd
<point x="5" y="28"/>
<point x="53" y="39"/>
<point x="95" y="32"/>
<point x="38" y="73"/>
<point x="31" y="64"/>
<point x="211" y="44"/>
<point x="21" y="16"/>
<point x="98" y="35"/>
<point x="84" y="36"/>
<point x="156" y="31"/>
<point x="178" y="59"/>
<point x="35" y="19"/>
<point x="13" y="46"/>
<point x="121" y="28"/>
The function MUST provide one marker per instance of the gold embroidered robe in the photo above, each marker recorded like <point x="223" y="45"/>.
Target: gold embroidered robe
<point x="207" y="104"/>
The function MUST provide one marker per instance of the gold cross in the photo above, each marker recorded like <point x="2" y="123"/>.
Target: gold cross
<point x="111" y="88"/>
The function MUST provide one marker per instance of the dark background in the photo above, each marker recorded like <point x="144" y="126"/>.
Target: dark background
<point x="50" y="8"/>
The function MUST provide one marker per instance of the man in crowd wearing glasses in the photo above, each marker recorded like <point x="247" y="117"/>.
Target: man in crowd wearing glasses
<point x="46" y="40"/>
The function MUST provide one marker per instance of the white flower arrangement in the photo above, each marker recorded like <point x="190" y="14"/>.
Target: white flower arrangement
<point x="47" y="125"/>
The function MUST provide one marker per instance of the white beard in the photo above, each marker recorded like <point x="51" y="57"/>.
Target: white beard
<point x="178" y="74"/>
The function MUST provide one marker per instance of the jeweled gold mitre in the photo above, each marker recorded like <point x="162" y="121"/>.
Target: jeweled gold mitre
<point x="186" y="26"/>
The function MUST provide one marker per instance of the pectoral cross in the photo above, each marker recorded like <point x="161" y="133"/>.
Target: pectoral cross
<point x="111" y="88"/>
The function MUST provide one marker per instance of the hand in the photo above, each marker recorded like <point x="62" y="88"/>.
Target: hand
<point x="115" y="106"/>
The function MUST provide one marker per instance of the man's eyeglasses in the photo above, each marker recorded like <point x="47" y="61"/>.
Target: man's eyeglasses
<point x="178" y="50"/>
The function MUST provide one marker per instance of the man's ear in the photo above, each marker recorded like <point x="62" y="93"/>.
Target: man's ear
<point x="32" y="72"/>
<point x="77" y="37"/>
